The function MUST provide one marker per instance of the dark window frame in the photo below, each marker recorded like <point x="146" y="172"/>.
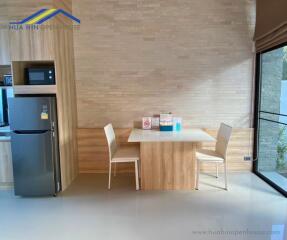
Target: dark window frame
<point x="256" y="119"/>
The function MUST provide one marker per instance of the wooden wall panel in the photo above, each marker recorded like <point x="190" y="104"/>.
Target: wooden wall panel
<point x="25" y="44"/>
<point x="6" y="172"/>
<point x="93" y="151"/>
<point x="4" y="70"/>
<point x="67" y="107"/>
<point x="66" y="95"/>
<point x="31" y="45"/>
<point x="4" y="34"/>
<point x="193" y="58"/>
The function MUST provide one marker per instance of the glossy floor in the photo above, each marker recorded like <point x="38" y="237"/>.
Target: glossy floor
<point x="275" y="177"/>
<point x="249" y="210"/>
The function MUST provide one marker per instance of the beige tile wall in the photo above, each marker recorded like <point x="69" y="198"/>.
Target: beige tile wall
<point x="193" y="58"/>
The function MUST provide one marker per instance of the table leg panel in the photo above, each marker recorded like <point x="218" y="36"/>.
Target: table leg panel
<point x="168" y="165"/>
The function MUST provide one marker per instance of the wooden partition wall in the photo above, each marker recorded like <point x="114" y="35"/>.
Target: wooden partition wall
<point x="93" y="150"/>
<point x="50" y="45"/>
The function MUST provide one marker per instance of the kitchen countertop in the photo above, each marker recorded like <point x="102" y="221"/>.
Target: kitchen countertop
<point x="186" y="135"/>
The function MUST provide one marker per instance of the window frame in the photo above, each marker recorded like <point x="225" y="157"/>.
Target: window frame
<point x="256" y="117"/>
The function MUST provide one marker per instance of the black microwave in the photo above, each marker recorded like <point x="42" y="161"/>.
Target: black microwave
<point x="40" y="76"/>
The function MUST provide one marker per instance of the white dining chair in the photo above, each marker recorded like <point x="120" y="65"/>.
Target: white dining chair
<point x="121" y="154"/>
<point x="217" y="156"/>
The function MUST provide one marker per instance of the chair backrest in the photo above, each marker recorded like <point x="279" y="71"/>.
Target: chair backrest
<point x="223" y="137"/>
<point x="111" y="138"/>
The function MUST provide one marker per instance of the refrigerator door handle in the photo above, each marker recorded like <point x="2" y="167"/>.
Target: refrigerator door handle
<point x="53" y="125"/>
<point x="31" y="132"/>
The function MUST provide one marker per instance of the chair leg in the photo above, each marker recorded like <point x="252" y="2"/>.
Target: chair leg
<point x="137" y="175"/>
<point x="115" y="169"/>
<point x="225" y="175"/>
<point x="139" y="167"/>
<point x="216" y="170"/>
<point x="110" y="172"/>
<point x="197" y="174"/>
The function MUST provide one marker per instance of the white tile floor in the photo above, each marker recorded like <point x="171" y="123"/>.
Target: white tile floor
<point x="88" y="211"/>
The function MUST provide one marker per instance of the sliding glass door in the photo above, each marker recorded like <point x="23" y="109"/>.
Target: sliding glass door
<point x="271" y="119"/>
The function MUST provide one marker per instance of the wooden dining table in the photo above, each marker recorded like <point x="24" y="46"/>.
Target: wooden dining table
<point x="168" y="159"/>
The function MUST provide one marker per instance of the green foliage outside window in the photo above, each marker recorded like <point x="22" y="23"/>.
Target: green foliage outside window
<point x="282" y="149"/>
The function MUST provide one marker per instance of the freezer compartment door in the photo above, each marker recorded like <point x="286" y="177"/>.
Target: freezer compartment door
<point x="33" y="157"/>
<point x="32" y="113"/>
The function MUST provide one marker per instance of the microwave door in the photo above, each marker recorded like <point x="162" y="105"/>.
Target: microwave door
<point x="36" y="77"/>
<point x="40" y="76"/>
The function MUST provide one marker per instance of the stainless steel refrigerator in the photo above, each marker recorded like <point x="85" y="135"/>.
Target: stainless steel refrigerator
<point x="35" y="148"/>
